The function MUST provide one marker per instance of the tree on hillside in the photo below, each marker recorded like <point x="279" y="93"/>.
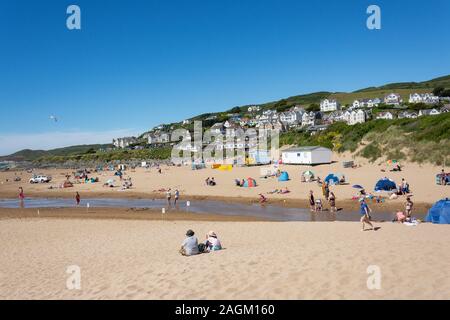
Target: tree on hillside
<point x="313" y="107"/>
<point x="235" y="110"/>
<point x="438" y="91"/>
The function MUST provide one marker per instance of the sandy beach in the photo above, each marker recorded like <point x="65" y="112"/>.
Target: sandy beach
<point x="126" y="253"/>
<point x="148" y="182"/>
<point x="126" y="259"/>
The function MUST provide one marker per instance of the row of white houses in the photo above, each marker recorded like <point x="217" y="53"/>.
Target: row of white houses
<point x="329" y="105"/>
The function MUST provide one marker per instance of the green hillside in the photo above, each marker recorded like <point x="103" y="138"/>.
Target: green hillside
<point x="32" y="155"/>
<point x="425" y="139"/>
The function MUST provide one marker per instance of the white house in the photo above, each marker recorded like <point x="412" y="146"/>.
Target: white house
<point x="306" y="155"/>
<point x="428" y="98"/>
<point x="366" y="103"/>
<point x="429" y="112"/>
<point x="385" y="115"/>
<point x="290" y="117"/>
<point x="354" y="117"/>
<point x="124" y="142"/>
<point x="407" y="115"/>
<point x="393" y="99"/>
<point x="327" y="105"/>
<point x="309" y="119"/>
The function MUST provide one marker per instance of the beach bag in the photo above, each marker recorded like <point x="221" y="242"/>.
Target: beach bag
<point x="201" y="247"/>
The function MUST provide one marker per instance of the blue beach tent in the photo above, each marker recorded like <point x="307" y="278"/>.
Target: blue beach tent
<point x="284" y="176"/>
<point x="385" y="185"/>
<point x="332" y="179"/>
<point x="440" y="212"/>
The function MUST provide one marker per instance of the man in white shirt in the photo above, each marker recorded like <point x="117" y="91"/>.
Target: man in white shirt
<point x="189" y="247"/>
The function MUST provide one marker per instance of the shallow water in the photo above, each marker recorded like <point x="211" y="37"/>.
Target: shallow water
<point x="267" y="212"/>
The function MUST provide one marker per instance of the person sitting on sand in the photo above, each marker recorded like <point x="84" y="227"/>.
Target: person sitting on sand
<point x="262" y="198"/>
<point x="318" y="206"/>
<point x="189" y="247"/>
<point x="212" y="182"/>
<point x="365" y="212"/>
<point x="332" y="201"/>
<point x="212" y="242"/>
<point x="400" y="217"/>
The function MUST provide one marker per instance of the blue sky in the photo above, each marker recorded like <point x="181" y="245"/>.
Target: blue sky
<point x="135" y="64"/>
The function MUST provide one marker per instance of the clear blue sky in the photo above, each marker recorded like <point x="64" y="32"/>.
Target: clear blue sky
<point x="136" y="64"/>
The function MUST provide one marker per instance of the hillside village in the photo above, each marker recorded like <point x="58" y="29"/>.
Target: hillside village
<point x="311" y="119"/>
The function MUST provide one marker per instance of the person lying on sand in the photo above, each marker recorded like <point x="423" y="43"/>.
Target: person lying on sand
<point x="189" y="247"/>
<point x="284" y="191"/>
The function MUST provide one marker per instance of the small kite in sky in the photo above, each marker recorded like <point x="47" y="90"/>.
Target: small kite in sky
<point x="54" y="118"/>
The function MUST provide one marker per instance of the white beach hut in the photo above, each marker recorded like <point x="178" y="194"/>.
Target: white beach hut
<point x="306" y="155"/>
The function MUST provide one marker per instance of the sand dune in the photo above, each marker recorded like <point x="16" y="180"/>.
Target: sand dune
<point x="126" y="259"/>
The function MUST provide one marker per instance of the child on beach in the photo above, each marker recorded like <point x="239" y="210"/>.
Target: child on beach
<point x="177" y="196"/>
<point x="332" y="201"/>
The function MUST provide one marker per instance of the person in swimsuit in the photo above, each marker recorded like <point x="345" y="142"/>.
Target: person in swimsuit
<point x="78" y="199"/>
<point x="408" y="207"/>
<point x="332" y="201"/>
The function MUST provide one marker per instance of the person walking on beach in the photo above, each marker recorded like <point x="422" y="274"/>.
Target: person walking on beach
<point x="21" y="194"/>
<point x="365" y="212"/>
<point x="324" y="188"/>
<point x="177" y="196"/>
<point x="21" y="197"/>
<point x="327" y="191"/>
<point x="312" y="201"/>
<point x="332" y="201"/>
<point x="77" y="198"/>
<point x="169" y="196"/>
<point x="408" y="207"/>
